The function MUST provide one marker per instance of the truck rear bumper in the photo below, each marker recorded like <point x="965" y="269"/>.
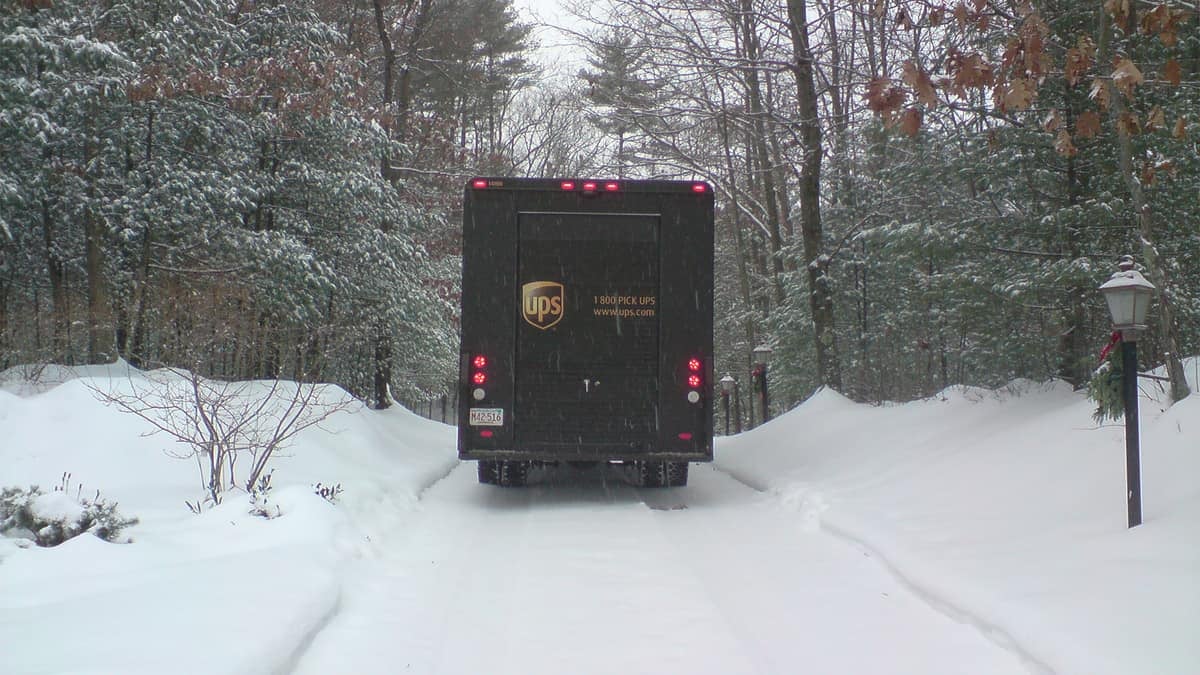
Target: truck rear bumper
<point x="588" y="454"/>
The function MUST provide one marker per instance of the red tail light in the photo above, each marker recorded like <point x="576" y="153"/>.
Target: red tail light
<point x="480" y="361"/>
<point x="694" y="365"/>
<point x="694" y="381"/>
<point x="479" y="377"/>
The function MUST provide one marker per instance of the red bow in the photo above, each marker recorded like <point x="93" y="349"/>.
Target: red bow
<point x="1112" y="342"/>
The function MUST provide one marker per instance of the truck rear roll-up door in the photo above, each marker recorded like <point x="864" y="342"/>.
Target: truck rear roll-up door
<point x="587" y="347"/>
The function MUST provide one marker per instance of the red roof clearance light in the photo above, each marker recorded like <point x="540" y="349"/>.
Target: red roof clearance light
<point x="611" y="187"/>
<point x="589" y="186"/>
<point x="479" y="183"/>
<point x="567" y="185"/>
<point x="699" y="188"/>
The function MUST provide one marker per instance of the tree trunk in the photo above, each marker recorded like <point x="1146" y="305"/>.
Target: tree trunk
<point x="759" y="146"/>
<point x="736" y="224"/>
<point x="404" y="95"/>
<point x="56" y="270"/>
<point x="389" y="70"/>
<point x="816" y="262"/>
<point x="100" y="338"/>
<point x="1071" y="347"/>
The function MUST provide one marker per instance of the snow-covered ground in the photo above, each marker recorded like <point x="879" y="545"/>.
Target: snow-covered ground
<point x="974" y="532"/>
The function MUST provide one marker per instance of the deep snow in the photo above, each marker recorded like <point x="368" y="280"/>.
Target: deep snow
<point x="975" y="531"/>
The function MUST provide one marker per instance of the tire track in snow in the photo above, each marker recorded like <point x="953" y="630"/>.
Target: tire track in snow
<point x="297" y="656"/>
<point x="438" y="479"/>
<point x="936" y="601"/>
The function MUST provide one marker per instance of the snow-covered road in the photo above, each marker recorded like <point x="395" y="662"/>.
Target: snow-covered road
<point x="593" y="576"/>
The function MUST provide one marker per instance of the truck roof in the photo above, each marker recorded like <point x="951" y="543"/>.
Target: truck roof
<point x="587" y="184"/>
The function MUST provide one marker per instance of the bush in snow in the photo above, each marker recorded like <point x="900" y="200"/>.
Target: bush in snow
<point x="49" y="519"/>
<point x="329" y="493"/>
<point x="226" y="427"/>
<point x="260" y="498"/>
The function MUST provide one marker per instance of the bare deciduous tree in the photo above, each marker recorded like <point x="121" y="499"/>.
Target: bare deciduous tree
<point x="222" y="424"/>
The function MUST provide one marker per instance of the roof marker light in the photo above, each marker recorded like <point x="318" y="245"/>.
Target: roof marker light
<point x="567" y="185"/>
<point x="479" y="183"/>
<point x="589" y="186"/>
<point x="611" y="187"/>
<point x="699" y="188"/>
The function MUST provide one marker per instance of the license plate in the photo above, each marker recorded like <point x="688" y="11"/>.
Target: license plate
<point x="487" y="417"/>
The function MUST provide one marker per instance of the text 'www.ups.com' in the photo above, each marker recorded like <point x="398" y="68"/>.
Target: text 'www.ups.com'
<point x="624" y="306"/>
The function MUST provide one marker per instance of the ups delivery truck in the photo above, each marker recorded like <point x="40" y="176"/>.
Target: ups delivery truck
<point x="587" y="327"/>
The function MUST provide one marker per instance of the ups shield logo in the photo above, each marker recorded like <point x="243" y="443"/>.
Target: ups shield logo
<point x="542" y="303"/>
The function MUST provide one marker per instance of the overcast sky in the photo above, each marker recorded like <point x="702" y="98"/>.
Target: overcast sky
<point x="558" y="50"/>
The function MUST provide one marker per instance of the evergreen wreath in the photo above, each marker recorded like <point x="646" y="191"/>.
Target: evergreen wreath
<point x="1105" y="387"/>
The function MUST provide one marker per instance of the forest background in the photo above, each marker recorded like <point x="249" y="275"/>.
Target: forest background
<point x="911" y="194"/>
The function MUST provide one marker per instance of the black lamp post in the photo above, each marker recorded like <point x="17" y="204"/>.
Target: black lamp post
<point x="1128" y="295"/>
<point x="762" y="354"/>
<point x="726" y="387"/>
<point x="737" y="407"/>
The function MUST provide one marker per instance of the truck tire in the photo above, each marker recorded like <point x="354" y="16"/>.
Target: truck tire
<point x="677" y="474"/>
<point x="489" y="471"/>
<point x="662" y="474"/>
<point x="513" y="473"/>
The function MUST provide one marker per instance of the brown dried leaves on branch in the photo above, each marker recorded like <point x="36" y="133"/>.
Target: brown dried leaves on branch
<point x="1063" y="144"/>
<point x="1165" y="22"/>
<point x="919" y="80"/>
<point x="1053" y="121"/>
<point x="884" y="97"/>
<point x="1079" y="60"/>
<point x="1157" y="119"/>
<point x="969" y="71"/>
<point x="1100" y="93"/>
<point x="972" y="16"/>
<point x="1126" y="76"/>
<point x="1087" y="124"/>
<point x="1172" y="72"/>
<point x="910" y="121"/>
<point x="1128" y="124"/>
<point x="1180" y="131"/>
<point x="1015" y="95"/>
<point x="1119" y="11"/>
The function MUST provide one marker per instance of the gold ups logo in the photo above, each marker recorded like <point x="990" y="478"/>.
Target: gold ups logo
<point x="542" y="303"/>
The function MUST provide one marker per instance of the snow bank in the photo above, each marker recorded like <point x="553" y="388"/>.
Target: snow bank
<point x="222" y="592"/>
<point x="1007" y="509"/>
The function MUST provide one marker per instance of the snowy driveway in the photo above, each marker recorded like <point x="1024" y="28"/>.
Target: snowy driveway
<point x="597" y="577"/>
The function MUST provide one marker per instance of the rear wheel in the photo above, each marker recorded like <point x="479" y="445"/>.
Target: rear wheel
<point x="677" y="474"/>
<point x="662" y="474"/>
<point x="489" y="471"/>
<point x="513" y="473"/>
